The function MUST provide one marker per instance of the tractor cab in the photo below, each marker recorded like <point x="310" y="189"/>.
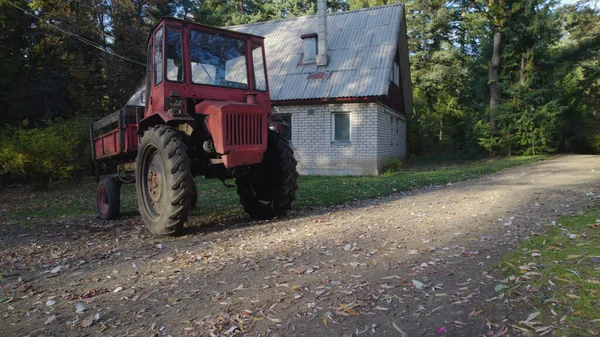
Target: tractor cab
<point x="189" y="63"/>
<point x="197" y="73"/>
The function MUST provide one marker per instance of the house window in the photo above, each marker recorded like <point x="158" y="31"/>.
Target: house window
<point x="341" y="126"/>
<point x="309" y="48"/>
<point x="286" y="128"/>
<point x="395" y="74"/>
<point x="397" y="131"/>
<point x="395" y="71"/>
<point x="391" y="130"/>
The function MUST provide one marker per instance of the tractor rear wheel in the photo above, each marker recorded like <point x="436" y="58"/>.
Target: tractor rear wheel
<point x="164" y="182"/>
<point x="268" y="189"/>
<point x="108" y="198"/>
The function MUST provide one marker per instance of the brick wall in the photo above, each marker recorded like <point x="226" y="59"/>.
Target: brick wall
<point x="316" y="151"/>
<point x="391" y="136"/>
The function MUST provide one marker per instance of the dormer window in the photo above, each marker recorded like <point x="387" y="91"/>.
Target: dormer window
<point x="309" y="48"/>
<point x="395" y="73"/>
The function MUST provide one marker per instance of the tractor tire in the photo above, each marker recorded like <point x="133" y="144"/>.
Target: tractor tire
<point x="108" y="198"/>
<point x="164" y="183"/>
<point x="268" y="189"/>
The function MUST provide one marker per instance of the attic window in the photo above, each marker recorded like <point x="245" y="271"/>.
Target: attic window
<point x="395" y="73"/>
<point x="309" y="47"/>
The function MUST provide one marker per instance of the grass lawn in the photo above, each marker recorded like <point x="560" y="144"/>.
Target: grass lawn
<point x="558" y="273"/>
<point x="215" y="200"/>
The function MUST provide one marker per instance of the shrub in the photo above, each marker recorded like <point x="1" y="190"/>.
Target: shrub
<point x="55" y="151"/>
<point x="393" y="165"/>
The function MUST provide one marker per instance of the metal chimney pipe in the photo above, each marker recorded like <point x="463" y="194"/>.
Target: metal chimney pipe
<point x="322" y="58"/>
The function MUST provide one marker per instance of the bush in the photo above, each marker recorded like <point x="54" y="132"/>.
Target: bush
<point x="394" y="165"/>
<point x="56" y="151"/>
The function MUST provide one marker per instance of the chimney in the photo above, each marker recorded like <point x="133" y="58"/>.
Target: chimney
<point x="322" y="58"/>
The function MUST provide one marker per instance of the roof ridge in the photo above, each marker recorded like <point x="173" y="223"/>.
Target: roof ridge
<point x="306" y="17"/>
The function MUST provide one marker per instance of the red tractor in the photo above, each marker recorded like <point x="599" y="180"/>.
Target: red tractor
<point x="207" y="113"/>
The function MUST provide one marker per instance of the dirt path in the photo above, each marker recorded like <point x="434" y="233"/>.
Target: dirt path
<point x="415" y="264"/>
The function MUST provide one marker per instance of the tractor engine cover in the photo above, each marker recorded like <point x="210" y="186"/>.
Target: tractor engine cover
<point x="239" y="131"/>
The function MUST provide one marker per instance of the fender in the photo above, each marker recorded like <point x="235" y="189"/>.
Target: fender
<point x="163" y="118"/>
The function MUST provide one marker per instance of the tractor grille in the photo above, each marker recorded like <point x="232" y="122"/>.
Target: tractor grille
<point x="243" y="129"/>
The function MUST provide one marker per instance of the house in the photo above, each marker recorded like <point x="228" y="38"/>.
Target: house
<point x="342" y="82"/>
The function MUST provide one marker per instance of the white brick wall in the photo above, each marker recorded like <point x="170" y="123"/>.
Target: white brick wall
<point x="367" y="150"/>
<point x="391" y="136"/>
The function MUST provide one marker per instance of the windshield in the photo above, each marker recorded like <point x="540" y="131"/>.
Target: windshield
<point x="218" y="60"/>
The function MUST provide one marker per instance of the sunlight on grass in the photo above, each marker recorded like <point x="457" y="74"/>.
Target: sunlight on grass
<point x="564" y="265"/>
<point x="69" y="199"/>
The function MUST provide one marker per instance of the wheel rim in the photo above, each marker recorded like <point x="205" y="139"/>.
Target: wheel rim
<point x="103" y="200"/>
<point x="153" y="183"/>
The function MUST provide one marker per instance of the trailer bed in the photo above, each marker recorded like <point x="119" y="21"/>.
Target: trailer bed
<point x="115" y="136"/>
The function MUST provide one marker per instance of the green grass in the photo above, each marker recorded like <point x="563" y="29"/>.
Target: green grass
<point x="216" y="200"/>
<point x="569" y="273"/>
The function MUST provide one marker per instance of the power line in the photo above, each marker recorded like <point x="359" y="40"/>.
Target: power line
<point x="78" y="37"/>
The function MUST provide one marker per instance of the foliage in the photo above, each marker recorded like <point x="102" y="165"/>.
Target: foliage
<point x="393" y="165"/>
<point x="55" y="151"/>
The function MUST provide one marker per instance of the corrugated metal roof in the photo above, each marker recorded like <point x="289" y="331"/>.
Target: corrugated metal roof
<point x="361" y="48"/>
<point x="136" y="99"/>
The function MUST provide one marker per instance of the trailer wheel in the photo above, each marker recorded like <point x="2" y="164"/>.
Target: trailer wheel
<point x="108" y="199"/>
<point x="269" y="188"/>
<point x="164" y="182"/>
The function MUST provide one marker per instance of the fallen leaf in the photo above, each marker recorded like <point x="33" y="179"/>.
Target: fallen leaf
<point x="51" y="319"/>
<point x="89" y="321"/>
<point x="348" y="310"/>
<point x="499" y="287"/>
<point x="299" y="270"/>
<point x="80" y="307"/>
<point x="402" y="333"/>
<point x="532" y="316"/>
<point x="417" y="284"/>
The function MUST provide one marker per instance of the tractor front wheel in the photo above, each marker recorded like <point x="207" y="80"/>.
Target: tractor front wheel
<point x="268" y="189"/>
<point x="164" y="182"/>
<point x="108" y="198"/>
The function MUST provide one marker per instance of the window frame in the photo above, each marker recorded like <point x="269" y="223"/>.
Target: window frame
<point x="291" y="130"/>
<point x="254" y="45"/>
<point x="307" y="40"/>
<point x="162" y="49"/>
<point x="341" y="141"/>
<point x="165" y="59"/>
<point x="246" y="50"/>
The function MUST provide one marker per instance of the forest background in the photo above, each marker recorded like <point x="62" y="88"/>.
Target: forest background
<point x="490" y="77"/>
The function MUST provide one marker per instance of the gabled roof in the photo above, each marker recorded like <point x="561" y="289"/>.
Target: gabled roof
<point x="362" y="45"/>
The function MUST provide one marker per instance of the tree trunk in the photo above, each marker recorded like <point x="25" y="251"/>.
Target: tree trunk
<point x="493" y="79"/>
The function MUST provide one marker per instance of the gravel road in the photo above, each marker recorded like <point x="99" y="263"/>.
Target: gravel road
<point x="412" y="264"/>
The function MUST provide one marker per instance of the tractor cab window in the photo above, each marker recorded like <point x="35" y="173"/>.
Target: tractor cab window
<point x="260" y="80"/>
<point x="174" y="57"/>
<point x="158" y="57"/>
<point x="218" y="60"/>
